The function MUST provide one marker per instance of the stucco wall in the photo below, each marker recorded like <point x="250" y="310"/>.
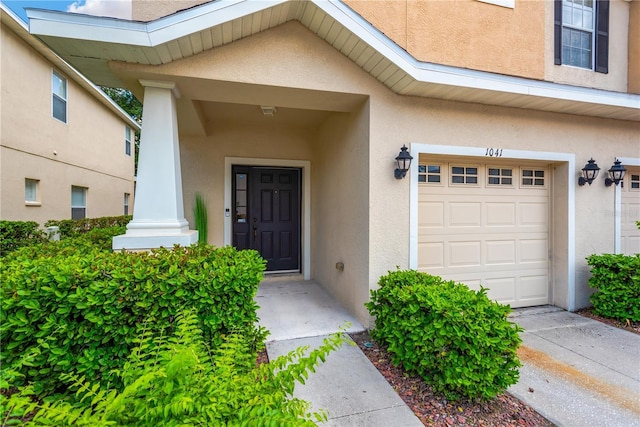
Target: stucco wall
<point x="148" y="10"/>
<point x="634" y="46"/>
<point x="268" y="65"/>
<point x="86" y="151"/>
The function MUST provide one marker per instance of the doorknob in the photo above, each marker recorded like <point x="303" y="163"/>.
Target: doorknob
<point x="255" y="229"/>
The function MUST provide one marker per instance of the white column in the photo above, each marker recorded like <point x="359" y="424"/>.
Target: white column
<point x="158" y="214"/>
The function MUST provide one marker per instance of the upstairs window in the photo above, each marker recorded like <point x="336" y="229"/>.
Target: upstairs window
<point x="582" y="34"/>
<point x="59" y="102"/>
<point x="31" y="194"/>
<point x="127" y="140"/>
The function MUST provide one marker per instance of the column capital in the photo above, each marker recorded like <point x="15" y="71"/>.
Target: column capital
<point x="173" y="86"/>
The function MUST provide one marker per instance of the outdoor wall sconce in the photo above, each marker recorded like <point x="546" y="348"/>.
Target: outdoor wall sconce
<point x="589" y="172"/>
<point x="616" y="173"/>
<point x="404" y="163"/>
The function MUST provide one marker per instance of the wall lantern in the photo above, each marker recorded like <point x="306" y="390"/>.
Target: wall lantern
<point x="616" y="173"/>
<point x="589" y="172"/>
<point x="404" y="163"/>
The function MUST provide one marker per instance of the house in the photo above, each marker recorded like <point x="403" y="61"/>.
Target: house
<point x="66" y="148"/>
<point x="288" y="117"/>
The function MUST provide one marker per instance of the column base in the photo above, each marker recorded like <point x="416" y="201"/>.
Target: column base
<point x="145" y="242"/>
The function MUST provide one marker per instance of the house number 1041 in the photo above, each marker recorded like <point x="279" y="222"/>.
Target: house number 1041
<point x="493" y="152"/>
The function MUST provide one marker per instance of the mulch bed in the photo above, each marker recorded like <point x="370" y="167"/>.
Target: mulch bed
<point x="435" y="410"/>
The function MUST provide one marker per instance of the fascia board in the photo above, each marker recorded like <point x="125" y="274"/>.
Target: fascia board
<point x="424" y="72"/>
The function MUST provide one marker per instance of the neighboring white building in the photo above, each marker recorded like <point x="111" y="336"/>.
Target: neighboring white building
<point x="66" y="149"/>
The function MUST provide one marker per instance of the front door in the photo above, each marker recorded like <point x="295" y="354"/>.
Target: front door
<point x="266" y="204"/>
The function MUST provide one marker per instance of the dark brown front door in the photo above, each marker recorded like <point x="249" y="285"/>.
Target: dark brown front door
<point x="266" y="204"/>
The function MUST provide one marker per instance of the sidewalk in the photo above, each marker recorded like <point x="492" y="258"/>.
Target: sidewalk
<point x="578" y="371"/>
<point x="347" y="385"/>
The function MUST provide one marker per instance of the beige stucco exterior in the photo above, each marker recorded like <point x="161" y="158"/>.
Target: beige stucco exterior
<point x="87" y="151"/>
<point x="634" y="46"/>
<point x="344" y="126"/>
<point x="148" y="10"/>
<point x="360" y="213"/>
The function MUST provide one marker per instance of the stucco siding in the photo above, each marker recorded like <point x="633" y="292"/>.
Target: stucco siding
<point x="88" y="150"/>
<point x="148" y="10"/>
<point x="634" y="47"/>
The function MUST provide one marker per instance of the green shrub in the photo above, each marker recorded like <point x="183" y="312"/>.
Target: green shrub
<point x="617" y="278"/>
<point x="184" y="381"/>
<point x="77" y="307"/>
<point x="201" y="219"/>
<point x="16" y="234"/>
<point x="76" y="227"/>
<point x="456" y="339"/>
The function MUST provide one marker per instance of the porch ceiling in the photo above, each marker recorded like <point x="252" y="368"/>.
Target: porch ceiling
<point x="89" y="43"/>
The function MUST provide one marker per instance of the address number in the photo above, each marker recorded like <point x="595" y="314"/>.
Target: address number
<point x="493" y="152"/>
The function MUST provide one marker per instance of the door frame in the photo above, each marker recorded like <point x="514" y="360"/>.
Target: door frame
<point x="305" y="202"/>
<point x="617" y="222"/>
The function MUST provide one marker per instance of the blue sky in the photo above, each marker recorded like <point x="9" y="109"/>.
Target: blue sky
<point x="117" y="8"/>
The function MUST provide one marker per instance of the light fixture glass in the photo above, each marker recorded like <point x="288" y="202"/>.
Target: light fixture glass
<point x="616" y="174"/>
<point x="403" y="162"/>
<point x="589" y="172"/>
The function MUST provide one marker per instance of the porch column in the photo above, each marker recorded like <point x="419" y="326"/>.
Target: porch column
<point x="158" y="214"/>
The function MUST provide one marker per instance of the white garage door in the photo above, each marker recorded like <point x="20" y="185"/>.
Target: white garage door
<point x="630" y="192"/>
<point x="486" y="224"/>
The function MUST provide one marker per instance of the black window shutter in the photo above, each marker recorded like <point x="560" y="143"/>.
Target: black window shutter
<point x="557" y="32"/>
<point x="602" y="36"/>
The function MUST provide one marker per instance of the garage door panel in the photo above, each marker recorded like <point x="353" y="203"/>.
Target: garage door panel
<point x="500" y="214"/>
<point x="464" y="253"/>
<point x="489" y="235"/>
<point x="500" y="252"/>
<point x="630" y="212"/>
<point x="464" y="214"/>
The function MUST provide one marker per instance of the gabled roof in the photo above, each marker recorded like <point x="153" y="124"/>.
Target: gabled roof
<point x="89" y="42"/>
<point x="15" y="24"/>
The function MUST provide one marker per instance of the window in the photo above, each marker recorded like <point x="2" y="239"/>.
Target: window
<point x="464" y="175"/>
<point x="31" y="195"/>
<point x="78" y="202"/>
<point x="127" y="141"/>
<point x="635" y="182"/>
<point x="499" y="176"/>
<point x="241" y="197"/>
<point x="429" y="173"/>
<point x="59" y="89"/>
<point x="126" y="203"/>
<point x="532" y="177"/>
<point x="582" y="34"/>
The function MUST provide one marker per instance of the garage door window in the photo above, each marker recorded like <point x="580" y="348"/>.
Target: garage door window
<point x="430" y="174"/>
<point x="533" y="178"/>
<point x="635" y="182"/>
<point x="500" y="177"/>
<point x="464" y="175"/>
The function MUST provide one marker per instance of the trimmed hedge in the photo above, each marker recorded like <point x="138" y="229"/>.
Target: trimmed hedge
<point x="17" y="234"/>
<point x="76" y="227"/>
<point x="70" y="307"/>
<point x="617" y="279"/>
<point x="455" y="338"/>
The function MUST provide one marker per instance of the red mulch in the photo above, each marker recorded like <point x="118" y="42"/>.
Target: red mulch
<point x="435" y="410"/>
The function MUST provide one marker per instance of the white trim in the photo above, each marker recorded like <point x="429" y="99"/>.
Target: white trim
<point x="448" y="150"/>
<point x="511" y="4"/>
<point x="617" y="210"/>
<point x="184" y="23"/>
<point x="305" y="165"/>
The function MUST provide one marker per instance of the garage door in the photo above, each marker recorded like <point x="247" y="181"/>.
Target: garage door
<point x="486" y="224"/>
<point x="630" y="204"/>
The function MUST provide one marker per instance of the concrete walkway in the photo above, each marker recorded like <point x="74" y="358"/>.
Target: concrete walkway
<point x="347" y="385"/>
<point x="577" y="371"/>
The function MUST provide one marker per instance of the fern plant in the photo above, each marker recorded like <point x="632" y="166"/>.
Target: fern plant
<point x="180" y="380"/>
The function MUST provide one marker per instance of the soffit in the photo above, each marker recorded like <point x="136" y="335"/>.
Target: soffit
<point x="89" y="43"/>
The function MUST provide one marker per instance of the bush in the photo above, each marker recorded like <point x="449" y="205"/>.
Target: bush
<point x="16" y="234"/>
<point x="77" y="307"/>
<point x="617" y="278"/>
<point x="456" y="339"/>
<point x="184" y="381"/>
<point x="76" y="227"/>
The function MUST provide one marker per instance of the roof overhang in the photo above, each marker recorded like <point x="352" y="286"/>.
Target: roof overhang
<point x="15" y="24"/>
<point x="89" y="43"/>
